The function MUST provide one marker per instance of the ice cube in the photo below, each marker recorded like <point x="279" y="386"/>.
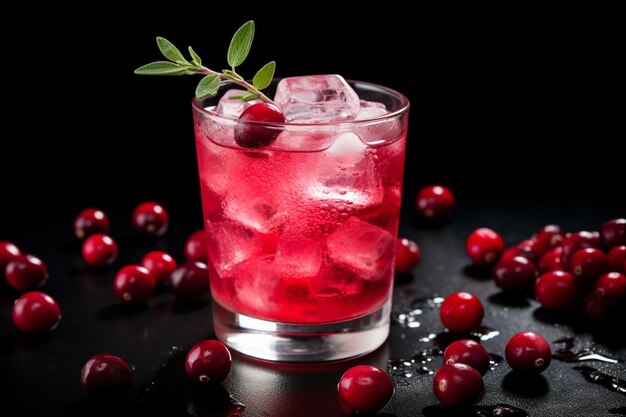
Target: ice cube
<point x="255" y="281"/>
<point x="347" y="150"/>
<point x="299" y="258"/>
<point x="370" y="110"/>
<point x="363" y="248"/>
<point x="258" y="214"/>
<point x="230" y="243"/>
<point x="316" y="99"/>
<point x="377" y="132"/>
<point x="230" y="107"/>
<point x="336" y="280"/>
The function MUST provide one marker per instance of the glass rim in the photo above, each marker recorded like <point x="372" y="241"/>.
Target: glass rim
<point x="404" y="101"/>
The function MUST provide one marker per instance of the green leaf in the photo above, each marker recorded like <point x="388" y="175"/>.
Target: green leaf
<point x="250" y="96"/>
<point x="240" y="44"/>
<point x="264" y="76"/>
<point x="195" y="58"/>
<point x="168" y="50"/>
<point x="161" y="68"/>
<point x="208" y="86"/>
<point x="236" y="96"/>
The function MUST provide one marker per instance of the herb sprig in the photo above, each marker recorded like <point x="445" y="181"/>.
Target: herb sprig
<point x="238" y="51"/>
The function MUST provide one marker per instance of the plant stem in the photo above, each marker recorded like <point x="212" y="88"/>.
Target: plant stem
<point x="239" y="81"/>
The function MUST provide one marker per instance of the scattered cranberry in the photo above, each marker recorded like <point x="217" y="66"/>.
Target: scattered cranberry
<point x="577" y="241"/>
<point x="484" y="247"/>
<point x="151" y="219"/>
<point x="133" y="284"/>
<point x="523" y="251"/>
<point x="547" y="238"/>
<point x="190" y="281"/>
<point x="365" y="389"/>
<point x="160" y="264"/>
<point x="457" y="384"/>
<point x="461" y="312"/>
<point x="530" y="245"/>
<point x="36" y="312"/>
<point x="617" y="259"/>
<point x="588" y="264"/>
<point x="469" y="352"/>
<point x="195" y="247"/>
<point x="89" y="222"/>
<point x="556" y="290"/>
<point x="435" y="202"/>
<point x="611" y="287"/>
<point x="208" y="360"/>
<point x="552" y="261"/>
<point x="407" y="255"/>
<point x="595" y="309"/>
<point x="613" y="233"/>
<point x="515" y="274"/>
<point x="26" y="272"/>
<point x="252" y="133"/>
<point x="528" y="352"/>
<point x="99" y="250"/>
<point x="8" y="252"/>
<point x="105" y="374"/>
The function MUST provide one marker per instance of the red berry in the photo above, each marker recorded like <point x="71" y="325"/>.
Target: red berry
<point x="468" y="352"/>
<point x="26" y="272"/>
<point x="190" y="281"/>
<point x="484" y="247"/>
<point x="8" y="252"/>
<point x="36" y="312"/>
<point x="580" y="240"/>
<point x="523" y="251"/>
<point x="595" y="309"/>
<point x="435" y="202"/>
<point x="617" y="259"/>
<point x="99" y="250"/>
<point x="407" y="255"/>
<point x="552" y="261"/>
<point x="528" y="352"/>
<point x="133" y="284"/>
<point x="208" y="361"/>
<point x="195" y="247"/>
<point x="530" y="245"/>
<point x="89" y="222"/>
<point x="514" y="274"/>
<point x="547" y="238"/>
<point x="587" y="265"/>
<point x="151" y="219"/>
<point x="159" y="264"/>
<point x="365" y="389"/>
<point x="105" y="374"/>
<point x="613" y="233"/>
<point x="556" y="290"/>
<point x="457" y="384"/>
<point x="611" y="287"/>
<point x="259" y="125"/>
<point x="461" y="312"/>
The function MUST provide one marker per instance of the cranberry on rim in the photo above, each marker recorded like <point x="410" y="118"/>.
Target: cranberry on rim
<point x="587" y="265"/>
<point x="617" y="259"/>
<point x="556" y="290"/>
<point x="435" y="202"/>
<point x="195" y="247"/>
<point x="208" y="361"/>
<point x="365" y="388"/>
<point x="461" y="312"/>
<point x="26" y="272"/>
<point x="528" y="352"/>
<point x="133" y="284"/>
<point x="613" y="233"/>
<point x="151" y="219"/>
<point x="89" y="222"/>
<point x="514" y="274"/>
<point x="469" y="352"/>
<point x="36" y="312"/>
<point x="190" y="281"/>
<point x="99" y="250"/>
<point x="8" y="252"/>
<point x="457" y="384"/>
<point x="255" y="134"/>
<point x="484" y="247"/>
<point x="407" y="255"/>
<point x="105" y="374"/>
<point x="160" y="264"/>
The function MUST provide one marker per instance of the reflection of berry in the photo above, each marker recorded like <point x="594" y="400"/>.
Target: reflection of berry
<point x="195" y="247"/>
<point x="99" y="250"/>
<point x="556" y="290"/>
<point x="484" y="247"/>
<point x="365" y="389"/>
<point x="469" y="352"/>
<point x="461" y="312"/>
<point x="457" y="384"/>
<point x="160" y="264"/>
<point x="26" y="272"/>
<point x="435" y="202"/>
<point x="89" y="222"/>
<point x="255" y="135"/>
<point x="105" y="374"/>
<point x="528" y="352"/>
<point x="36" y="312"/>
<point x="208" y="361"/>
<point x="133" y="284"/>
<point x="514" y="274"/>
<point x="151" y="219"/>
<point x="407" y="255"/>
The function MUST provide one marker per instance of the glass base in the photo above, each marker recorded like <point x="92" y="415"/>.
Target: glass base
<point x="288" y="342"/>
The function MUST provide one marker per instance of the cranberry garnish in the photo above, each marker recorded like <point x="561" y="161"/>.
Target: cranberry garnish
<point x="407" y="255"/>
<point x="523" y="251"/>
<point x="151" y="219"/>
<point x="105" y="374"/>
<point x="133" y="284"/>
<point x="99" y="250"/>
<point x="89" y="222"/>
<point x="588" y="264"/>
<point x="190" y="281"/>
<point x="365" y="389"/>
<point x="26" y="272"/>
<point x="255" y="134"/>
<point x="515" y="274"/>
<point x="617" y="259"/>
<point x="8" y="252"/>
<point x="611" y="287"/>
<point x="160" y="264"/>
<point x="528" y="352"/>
<point x="469" y="352"/>
<point x="580" y="240"/>
<point x="435" y="202"/>
<point x="195" y="247"/>
<point x="461" y="312"/>
<point x="36" y="312"/>
<point x="208" y="361"/>
<point x="484" y="247"/>
<point x="613" y="233"/>
<point x="552" y="261"/>
<point x="556" y="290"/>
<point x="457" y="384"/>
<point x="547" y="238"/>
